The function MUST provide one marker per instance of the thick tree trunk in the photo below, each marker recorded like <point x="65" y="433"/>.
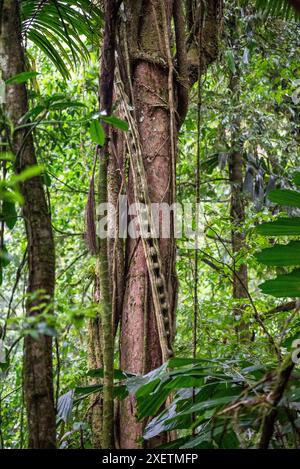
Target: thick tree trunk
<point x="140" y="347"/>
<point x="41" y="259"/>
<point x="147" y="31"/>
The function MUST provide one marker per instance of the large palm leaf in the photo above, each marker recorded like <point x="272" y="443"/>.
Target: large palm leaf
<point x="61" y="29"/>
<point x="285" y="9"/>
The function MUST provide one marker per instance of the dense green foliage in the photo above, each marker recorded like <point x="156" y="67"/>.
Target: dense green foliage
<point x="218" y="398"/>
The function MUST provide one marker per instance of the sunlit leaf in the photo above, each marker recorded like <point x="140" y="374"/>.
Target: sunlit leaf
<point x="21" y="78"/>
<point x="116" y="122"/>
<point x="280" y="227"/>
<point x="285" y="197"/>
<point x="9" y="213"/>
<point x="97" y="132"/>
<point x="283" y="286"/>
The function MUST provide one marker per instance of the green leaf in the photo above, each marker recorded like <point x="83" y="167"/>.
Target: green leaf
<point x="296" y="178"/>
<point x="210" y="163"/>
<point x="212" y="403"/>
<point x="118" y="374"/>
<point x="65" y="104"/>
<point x="277" y="8"/>
<point x="140" y="383"/>
<point x="283" y="286"/>
<point x="9" y="213"/>
<point x="7" y="156"/>
<point x="27" y="173"/>
<point x="88" y="390"/>
<point x="179" y="362"/>
<point x="281" y="255"/>
<point x="12" y="196"/>
<point x="120" y="391"/>
<point x="5" y="258"/>
<point x="150" y="406"/>
<point x="230" y="60"/>
<point x="46" y="179"/>
<point x="62" y="29"/>
<point x="285" y="197"/>
<point x="280" y="227"/>
<point x="21" y="78"/>
<point x="64" y="406"/>
<point x="116" y="122"/>
<point x="97" y="133"/>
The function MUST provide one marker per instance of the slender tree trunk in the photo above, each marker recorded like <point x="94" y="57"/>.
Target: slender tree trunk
<point x="237" y="215"/>
<point x="41" y="258"/>
<point x="105" y="98"/>
<point x="115" y="187"/>
<point x="95" y="360"/>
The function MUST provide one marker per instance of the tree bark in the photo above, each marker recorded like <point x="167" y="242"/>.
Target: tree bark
<point x="237" y="210"/>
<point x="140" y="347"/>
<point x="149" y="70"/>
<point x="237" y="213"/>
<point x="105" y="101"/>
<point x="95" y="360"/>
<point x="115" y="188"/>
<point x="41" y="258"/>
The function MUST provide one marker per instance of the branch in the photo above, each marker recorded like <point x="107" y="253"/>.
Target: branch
<point x="181" y="57"/>
<point x="274" y="398"/>
<point x="204" y="22"/>
<point x="288" y="306"/>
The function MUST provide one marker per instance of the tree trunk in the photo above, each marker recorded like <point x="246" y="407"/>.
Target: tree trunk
<point x="105" y="100"/>
<point x="115" y="188"/>
<point x="95" y="360"/>
<point x="237" y="215"/>
<point x="140" y="347"/>
<point x="41" y="258"/>
<point x="146" y="60"/>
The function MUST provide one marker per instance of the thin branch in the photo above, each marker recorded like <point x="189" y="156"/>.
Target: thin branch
<point x="274" y="398"/>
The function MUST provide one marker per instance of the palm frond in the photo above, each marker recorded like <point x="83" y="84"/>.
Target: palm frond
<point x="277" y="8"/>
<point x="61" y="29"/>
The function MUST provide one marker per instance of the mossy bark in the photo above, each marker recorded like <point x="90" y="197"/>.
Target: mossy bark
<point x="41" y="258"/>
<point x="237" y="209"/>
<point x="95" y="360"/>
<point x="105" y="305"/>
